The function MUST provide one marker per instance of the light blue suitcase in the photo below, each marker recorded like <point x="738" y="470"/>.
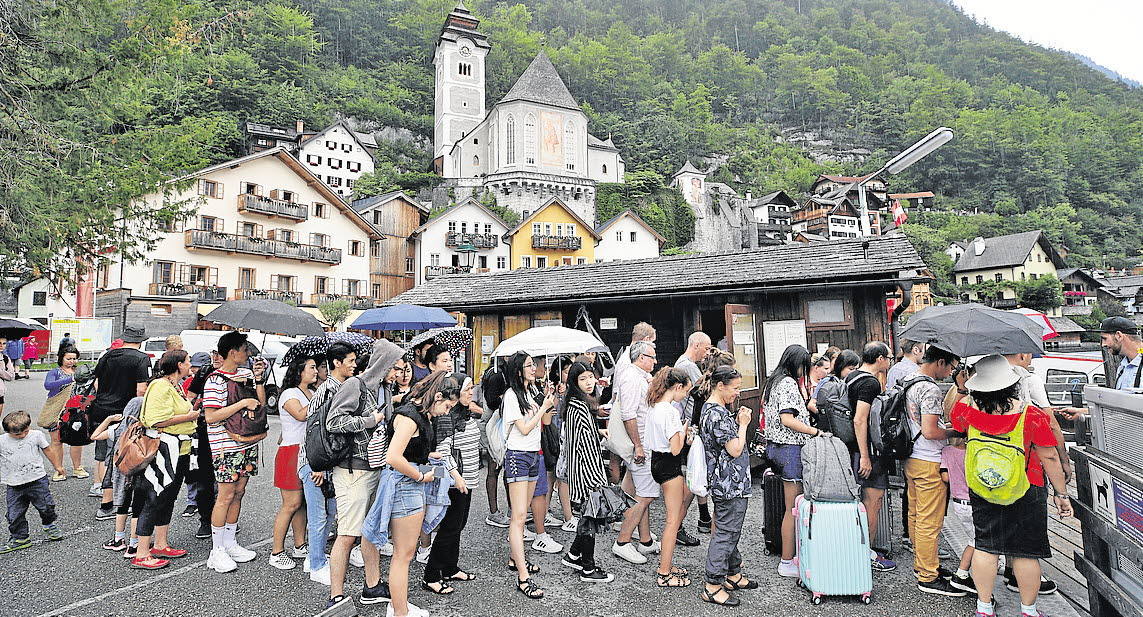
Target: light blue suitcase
<point x="833" y="549"/>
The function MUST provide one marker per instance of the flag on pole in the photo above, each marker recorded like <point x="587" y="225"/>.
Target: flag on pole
<point x="899" y="214"/>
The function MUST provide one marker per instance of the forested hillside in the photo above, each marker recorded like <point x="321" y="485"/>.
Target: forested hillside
<point x="112" y="95"/>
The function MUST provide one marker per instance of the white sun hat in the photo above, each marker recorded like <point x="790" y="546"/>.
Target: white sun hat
<point x="993" y="373"/>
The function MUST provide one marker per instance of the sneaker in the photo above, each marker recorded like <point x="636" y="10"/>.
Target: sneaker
<point x="104" y="514"/>
<point x="497" y="519"/>
<point x="355" y="558"/>
<point x="944" y="574"/>
<point x="169" y="553"/>
<point x="81" y="473"/>
<point x="240" y="554"/>
<point x="686" y="539"/>
<point x="386" y="549"/>
<point x="115" y="545"/>
<point x="551" y="521"/>
<point x="572" y="562"/>
<point x="16" y="545"/>
<point x="203" y="532"/>
<point x="530" y="519"/>
<point x="339" y="602"/>
<point x="965" y="583"/>
<point x="907" y="544"/>
<point x="414" y="611"/>
<point x="375" y="595"/>
<point x="570" y="524"/>
<point x="300" y="552"/>
<point x="547" y="544"/>
<point x="881" y="563"/>
<point x="53" y="533"/>
<point x="190" y="511"/>
<point x="654" y="547"/>
<point x="596" y="576"/>
<point x="59" y="476"/>
<point x="95" y="491"/>
<point x="131" y="551"/>
<point x="220" y="561"/>
<point x="1046" y="586"/>
<point x="282" y="561"/>
<point x="628" y="552"/>
<point x="941" y="587"/>
<point x="154" y="563"/>
<point x="423" y="554"/>
<point x="529" y="535"/>
<point x="788" y="569"/>
<point x="321" y="575"/>
<point x="704" y="525"/>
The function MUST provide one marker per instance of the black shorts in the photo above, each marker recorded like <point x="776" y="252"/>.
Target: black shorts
<point x="1019" y="529"/>
<point x="666" y="466"/>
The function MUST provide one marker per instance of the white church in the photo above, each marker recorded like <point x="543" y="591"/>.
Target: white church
<point x="531" y="146"/>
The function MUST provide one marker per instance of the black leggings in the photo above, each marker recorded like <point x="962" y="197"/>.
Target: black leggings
<point x="445" y="556"/>
<point x="584" y="545"/>
<point x="158" y="510"/>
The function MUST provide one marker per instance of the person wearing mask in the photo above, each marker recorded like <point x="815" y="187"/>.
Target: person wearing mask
<point x="728" y="474"/>
<point x="354" y="480"/>
<point x="233" y="463"/>
<point x="293" y="408"/>
<point x="787" y="430"/>
<point x="927" y="492"/>
<point x="666" y="436"/>
<point x="631" y="387"/>
<point x="870" y="470"/>
<point x="586" y="473"/>
<point x="411" y="439"/>
<point x="1006" y="521"/>
<point x="911" y="354"/>
<point x="120" y="375"/>
<point x="55" y="382"/>
<point x="166" y="409"/>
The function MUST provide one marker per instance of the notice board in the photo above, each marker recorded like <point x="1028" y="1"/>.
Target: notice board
<point x="778" y="335"/>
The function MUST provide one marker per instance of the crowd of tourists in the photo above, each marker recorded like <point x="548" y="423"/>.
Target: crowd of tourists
<point x="381" y="449"/>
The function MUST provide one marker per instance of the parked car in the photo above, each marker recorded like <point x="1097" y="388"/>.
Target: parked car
<point x="1065" y="377"/>
<point x="272" y="347"/>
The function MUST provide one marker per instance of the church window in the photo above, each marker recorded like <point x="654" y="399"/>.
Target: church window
<point x="510" y="140"/>
<point x="476" y="161"/>
<point x="569" y="145"/>
<point x="465" y="69"/>
<point x="605" y="168"/>
<point x="530" y="139"/>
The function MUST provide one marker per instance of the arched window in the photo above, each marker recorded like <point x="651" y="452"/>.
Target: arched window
<point x="475" y="161"/>
<point x="530" y="139"/>
<point x="510" y="141"/>
<point x="569" y="144"/>
<point x="605" y="168"/>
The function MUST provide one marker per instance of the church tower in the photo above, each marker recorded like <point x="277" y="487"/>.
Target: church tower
<point x="459" y="99"/>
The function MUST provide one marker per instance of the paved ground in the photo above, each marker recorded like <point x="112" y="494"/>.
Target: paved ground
<point x="76" y="577"/>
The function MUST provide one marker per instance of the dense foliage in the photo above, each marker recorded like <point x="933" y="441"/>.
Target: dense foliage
<point x="113" y="95"/>
<point x="645" y="194"/>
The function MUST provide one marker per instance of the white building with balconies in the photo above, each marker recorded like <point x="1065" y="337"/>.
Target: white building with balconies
<point x="467" y="227"/>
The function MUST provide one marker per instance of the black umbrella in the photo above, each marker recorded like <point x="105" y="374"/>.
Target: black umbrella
<point x="309" y="347"/>
<point x="974" y="330"/>
<point x="12" y="329"/>
<point x="266" y="315"/>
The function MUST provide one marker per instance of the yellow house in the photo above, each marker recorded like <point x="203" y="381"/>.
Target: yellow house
<point x="1015" y="257"/>
<point x="552" y="236"/>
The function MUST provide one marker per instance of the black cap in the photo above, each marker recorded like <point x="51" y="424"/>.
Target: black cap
<point x="200" y="359"/>
<point x="134" y="334"/>
<point x="1111" y="325"/>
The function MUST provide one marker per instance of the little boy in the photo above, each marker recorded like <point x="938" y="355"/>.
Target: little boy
<point x="25" y="480"/>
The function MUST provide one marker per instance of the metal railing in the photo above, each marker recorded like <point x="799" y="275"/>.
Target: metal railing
<point x="432" y="272"/>
<point x="480" y="241"/>
<point x="234" y="243"/>
<point x="272" y="207"/>
<point x="570" y="243"/>
<point x="293" y="297"/>
<point x="206" y="293"/>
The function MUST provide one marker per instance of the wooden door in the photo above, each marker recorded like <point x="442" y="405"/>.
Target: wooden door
<point x="483" y="326"/>
<point x="742" y="342"/>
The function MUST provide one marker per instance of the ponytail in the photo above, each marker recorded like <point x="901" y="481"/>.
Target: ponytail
<point x="664" y="380"/>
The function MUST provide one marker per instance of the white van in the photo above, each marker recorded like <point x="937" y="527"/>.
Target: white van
<point x="1067" y="374"/>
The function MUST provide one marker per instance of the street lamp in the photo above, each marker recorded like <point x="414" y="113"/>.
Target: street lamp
<point x="467" y="254"/>
<point x="900" y="163"/>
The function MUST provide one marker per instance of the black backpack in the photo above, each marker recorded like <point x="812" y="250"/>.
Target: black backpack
<point x="324" y="450"/>
<point x="890" y="433"/>
<point x="834" y="412"/>
<point x="493" y="385"/>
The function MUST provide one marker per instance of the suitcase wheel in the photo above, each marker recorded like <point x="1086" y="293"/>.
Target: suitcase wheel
<point x="866" y="598"/>
<point x="816" y="599"/>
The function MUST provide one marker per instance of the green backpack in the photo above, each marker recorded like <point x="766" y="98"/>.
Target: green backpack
<point x="996" y="465"/>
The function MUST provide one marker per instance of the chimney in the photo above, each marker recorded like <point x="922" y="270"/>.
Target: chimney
<point x="300" y="127"/>
<point x="978" y="246"/>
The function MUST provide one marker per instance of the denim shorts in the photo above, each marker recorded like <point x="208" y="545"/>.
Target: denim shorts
<point x="787" y="459"/>
<point x="408" y="497"/>
<point x="522" y="466"/>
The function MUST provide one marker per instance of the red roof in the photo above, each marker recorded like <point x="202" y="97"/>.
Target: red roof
<point x="911" y="195"/>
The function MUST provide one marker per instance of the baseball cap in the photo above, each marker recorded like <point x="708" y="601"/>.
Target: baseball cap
<point x="200" y="359"/>
<point x="1111" y="325"/>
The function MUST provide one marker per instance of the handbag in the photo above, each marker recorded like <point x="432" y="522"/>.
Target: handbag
<point x="248" y="425"/>
<point x="54" y="407"/>
<point x="136" y="451"/>
<point x="618" y="441"/>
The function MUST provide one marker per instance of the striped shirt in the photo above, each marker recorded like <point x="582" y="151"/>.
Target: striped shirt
<point x="463" y="447"/>
<point x="584" y="456"/>
<point x="214" y="396"/>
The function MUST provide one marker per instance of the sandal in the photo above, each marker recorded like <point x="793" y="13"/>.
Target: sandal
<point x="730" y="585"/>
<point x="529" y="566"/>
<point x="672" y="580"/>
<point x="463" y="576"/>
<point x="679" y="571"/>
<point x="441" y="588"/>
<point x="530" y="589"/>
<point x="711" y="597"/>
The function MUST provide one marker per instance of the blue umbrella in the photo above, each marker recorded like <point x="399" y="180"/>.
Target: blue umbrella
<point x="403" y="317"/>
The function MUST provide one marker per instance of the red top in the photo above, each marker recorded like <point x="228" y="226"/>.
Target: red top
<point x="1037" y="430"/>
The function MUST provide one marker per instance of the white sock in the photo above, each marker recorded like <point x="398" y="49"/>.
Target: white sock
<point x="231" y="531"/>
<point x="985" y="608"/>
<point x="1029" y="610"/>
<point x="961" y="573"/>
<point x="218" y="537"/>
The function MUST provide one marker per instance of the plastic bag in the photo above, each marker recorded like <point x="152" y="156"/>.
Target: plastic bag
<point x="696" y="469"/>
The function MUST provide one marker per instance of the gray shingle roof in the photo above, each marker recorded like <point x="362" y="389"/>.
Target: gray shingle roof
<point x="540" y="83"/>
<point x="1003" y="251"/>
<point x="1063" y="325"/>
<point x="680" y="274"/>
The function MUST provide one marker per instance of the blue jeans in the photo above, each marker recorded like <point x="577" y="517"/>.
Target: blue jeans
<point x="320" y="515"/>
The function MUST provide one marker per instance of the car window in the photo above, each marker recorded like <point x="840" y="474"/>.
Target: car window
<point x="1061" y="376"/>
<point x="156" y="346"/>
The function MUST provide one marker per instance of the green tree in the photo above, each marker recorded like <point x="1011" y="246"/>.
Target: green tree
<point x="1042" y="294"/>
<point x="334" y="312"/>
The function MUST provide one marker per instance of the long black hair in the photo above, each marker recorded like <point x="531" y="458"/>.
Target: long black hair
<point x="795" y="363"/>
<point x="998" y="402"/>
<point x="514" y="371"/>
<point x="574" y="393"/>
<point x="293" y="376"/>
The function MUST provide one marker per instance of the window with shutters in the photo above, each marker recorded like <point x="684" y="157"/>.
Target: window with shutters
<point x="247" y="278"/>
<point x="530" y="139"/>
<point x="210" y="188"/>
<point x="171" y="226"/>
<point x="282" y="282"/>
<point x="319" y="239"/>
<point x="334" y="181"/>
<point x="249" y="188"/>
<point x="347" y="147"/>
<point x="332" y="145"/>
<point x="198" y="275"/>
<point x="209" y="223"/>
<point x="321" y="284"/>
<point x="356" y="248"/>
<point x="164" y="272"/>
<point x="334" y="163"/>
<point x="313" y="159"/>
<point x="510" y="140"/>
<point x="248" y="229"/>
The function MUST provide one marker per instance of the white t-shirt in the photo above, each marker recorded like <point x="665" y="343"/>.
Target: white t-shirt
<point x="21" y="460"/>
<point x="517" y="440"/>
<point x="662" y="424"/>
<point x="293" y="431"/>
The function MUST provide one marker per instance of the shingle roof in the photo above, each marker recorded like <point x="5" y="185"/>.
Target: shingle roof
<point x="687" y="168"/>
<point x="601" y="144"/>
<point x="1063" y="325"/>
<point x="838" y="260"/>
<point x="1124" y="286"/>
<point x="1004" y="251"/>
<point x="365" y="203"/>
<point x="540" y="83"/>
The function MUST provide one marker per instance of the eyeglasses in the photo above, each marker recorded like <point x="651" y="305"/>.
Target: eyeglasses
<point x="646" y="355"/>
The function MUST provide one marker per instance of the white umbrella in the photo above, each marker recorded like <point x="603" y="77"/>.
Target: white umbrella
<point x="1040" y="319"/>
<point x="550" y="341"/>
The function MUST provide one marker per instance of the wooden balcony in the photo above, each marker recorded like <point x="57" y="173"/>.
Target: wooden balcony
<point x="289" y="297"/>
<point x="355" y="302"/>
<point x="480" y="241"/>
<point x="205" y="293"/>
<point x="432" y="272"/>
<point x="1001" y="303"/>
<point x="256" y="204"/>
<point x="234" y="243"/>
<point x="565" y="243"/>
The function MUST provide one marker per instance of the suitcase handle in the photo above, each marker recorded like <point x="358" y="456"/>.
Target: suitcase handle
<point x="861" y="527"/>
